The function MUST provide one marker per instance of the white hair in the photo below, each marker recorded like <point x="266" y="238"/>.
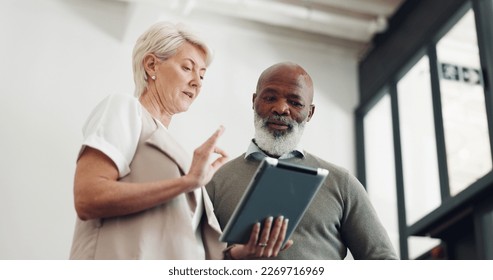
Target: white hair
<point x="163" y="40"/>
<point x="277" y="144"/>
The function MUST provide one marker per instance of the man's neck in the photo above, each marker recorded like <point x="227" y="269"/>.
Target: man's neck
<point x="265" y="152"/>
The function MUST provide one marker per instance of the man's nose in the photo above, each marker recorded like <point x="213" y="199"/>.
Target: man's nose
<point x="281" y="109"/>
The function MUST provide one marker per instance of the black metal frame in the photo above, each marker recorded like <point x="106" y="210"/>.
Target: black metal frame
<point x="373" y="85"/>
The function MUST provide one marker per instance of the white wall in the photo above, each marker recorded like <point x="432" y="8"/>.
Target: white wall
<point x="59" y="58"/>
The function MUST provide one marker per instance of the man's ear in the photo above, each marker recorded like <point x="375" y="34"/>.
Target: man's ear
<point x="312" y="111"/>
<point x="253" y="100"/>
<point x="150" y="64"/>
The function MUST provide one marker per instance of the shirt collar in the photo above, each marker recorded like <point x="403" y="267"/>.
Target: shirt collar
<point x="255" y="152"/>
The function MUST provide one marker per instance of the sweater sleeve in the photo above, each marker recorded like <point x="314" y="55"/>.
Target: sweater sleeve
<point x="361" y="228"/>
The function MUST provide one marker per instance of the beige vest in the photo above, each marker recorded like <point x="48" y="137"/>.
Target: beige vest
<point x="162" y="232"/>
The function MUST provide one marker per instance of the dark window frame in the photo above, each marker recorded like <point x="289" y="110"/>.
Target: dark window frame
<point x="372" y="90"/>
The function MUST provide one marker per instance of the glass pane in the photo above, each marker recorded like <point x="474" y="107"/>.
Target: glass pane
<point x="380" y="166"/>
<point x="419" y="245"/>
<point x="463" y="105"/>
<point x="419" y="154"/>
<point x="418" y="142"/>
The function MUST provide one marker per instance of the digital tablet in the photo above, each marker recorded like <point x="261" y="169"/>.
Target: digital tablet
<point x="277" y="188"/>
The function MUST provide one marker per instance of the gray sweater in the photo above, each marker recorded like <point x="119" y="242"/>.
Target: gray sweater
<point x="340" y="217"/>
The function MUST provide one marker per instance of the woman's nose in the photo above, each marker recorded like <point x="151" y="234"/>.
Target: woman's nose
<point x="196" y="81"/>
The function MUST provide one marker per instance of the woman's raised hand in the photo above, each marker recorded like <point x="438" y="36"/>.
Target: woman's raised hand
<point x="203" y="166"/>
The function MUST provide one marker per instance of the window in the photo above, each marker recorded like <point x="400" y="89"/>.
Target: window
<point x="380" y="166"/>
<point x="438" y="109"/>
<point x="418" y="144"/>
<point x="463" y="105"/>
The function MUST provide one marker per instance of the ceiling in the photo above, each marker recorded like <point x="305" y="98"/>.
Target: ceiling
<point x="351" y="21"/>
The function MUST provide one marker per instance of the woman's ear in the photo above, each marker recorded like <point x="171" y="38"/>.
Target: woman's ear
<point x="150" y="64"/>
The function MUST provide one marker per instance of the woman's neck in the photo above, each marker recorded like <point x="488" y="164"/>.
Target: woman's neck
<point x="154" y="107"/>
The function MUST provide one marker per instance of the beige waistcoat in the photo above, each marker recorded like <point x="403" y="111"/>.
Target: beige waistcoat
<point x="162" y="232"/>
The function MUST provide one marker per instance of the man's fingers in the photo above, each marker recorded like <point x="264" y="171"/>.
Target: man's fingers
<point x="267" y="241"/>
<point x="264" y="237"/>
<point x="280" y="237"/>
<point x="274" y="237"/>
<point x="289" y="243"/>
<point x="254" y="235"/>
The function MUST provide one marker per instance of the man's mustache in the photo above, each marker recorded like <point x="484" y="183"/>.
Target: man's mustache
<point x="279" y="119"/>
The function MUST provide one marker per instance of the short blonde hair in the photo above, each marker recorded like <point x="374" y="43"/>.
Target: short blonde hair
<point x="163" y="40"/>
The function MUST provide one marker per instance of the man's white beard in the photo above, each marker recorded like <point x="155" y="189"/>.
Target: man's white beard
<point x="277" y="144"/>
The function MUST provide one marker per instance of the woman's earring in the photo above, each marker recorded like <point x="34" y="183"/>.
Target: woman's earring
<point x="153" y="77"/>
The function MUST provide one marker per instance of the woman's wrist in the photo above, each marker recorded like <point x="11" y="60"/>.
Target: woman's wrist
<point x="190" y="182"/>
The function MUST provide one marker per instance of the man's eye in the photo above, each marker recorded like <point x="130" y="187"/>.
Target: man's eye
<point x="296" y="104"/>
<point x="186" y="68"/>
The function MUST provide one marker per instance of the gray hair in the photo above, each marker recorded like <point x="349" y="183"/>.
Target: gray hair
<point x="163" y="40"/>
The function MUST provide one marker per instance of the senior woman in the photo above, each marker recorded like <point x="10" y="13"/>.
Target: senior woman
<point x="137" y="193"/>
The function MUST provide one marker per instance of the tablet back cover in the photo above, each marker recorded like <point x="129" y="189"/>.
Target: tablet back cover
<point x="276" y="189"/>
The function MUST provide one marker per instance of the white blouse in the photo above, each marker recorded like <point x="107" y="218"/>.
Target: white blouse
<point x="114" y="128"/>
